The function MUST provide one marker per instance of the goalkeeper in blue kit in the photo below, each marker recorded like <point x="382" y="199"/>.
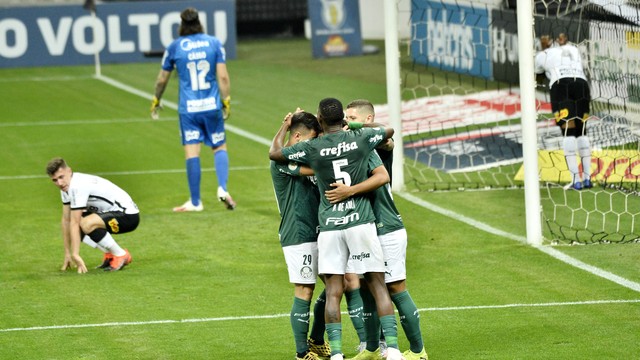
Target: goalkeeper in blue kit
<point x="203" y="106"/>
<point x="347" y="229"/>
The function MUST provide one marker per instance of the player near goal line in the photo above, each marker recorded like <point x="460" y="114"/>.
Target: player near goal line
<point x="570" y="99"/>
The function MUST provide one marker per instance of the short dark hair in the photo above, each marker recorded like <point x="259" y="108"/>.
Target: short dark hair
<point x="362" y="104"/>
<point x="190" y="23"/>
<point x="305" y="120"/>
<point x="55" y="164"/>
<point x="330" y="110"/>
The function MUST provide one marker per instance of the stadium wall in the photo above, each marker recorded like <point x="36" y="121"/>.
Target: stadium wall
<point x="122" y="32"/>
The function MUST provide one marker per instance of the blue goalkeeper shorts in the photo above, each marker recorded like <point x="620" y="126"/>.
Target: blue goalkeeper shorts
<point x="204" y="127"/>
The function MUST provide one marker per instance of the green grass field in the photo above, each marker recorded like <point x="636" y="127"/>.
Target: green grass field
<point x="213" y="285"/>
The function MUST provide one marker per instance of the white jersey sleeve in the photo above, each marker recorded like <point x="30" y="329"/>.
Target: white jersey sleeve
<point x="96" y="195"/>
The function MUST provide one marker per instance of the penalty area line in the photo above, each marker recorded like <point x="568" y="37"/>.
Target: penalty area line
<point x="276" y="316"/>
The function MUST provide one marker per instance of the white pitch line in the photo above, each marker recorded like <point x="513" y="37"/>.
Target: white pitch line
<point x="139" y="172"/>
<point x="48" y="78"/>
<point x="556" y="254"/>
<point x="275" y="316"/>
<point x="482" y="226"/>
<point x="81" y="122"/>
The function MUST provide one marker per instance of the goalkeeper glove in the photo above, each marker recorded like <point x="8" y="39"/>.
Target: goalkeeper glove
<point x="155" y="107"/>
<point x="226" y="107"/>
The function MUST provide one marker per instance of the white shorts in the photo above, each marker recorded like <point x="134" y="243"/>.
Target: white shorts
<point x="359" y="244"/>
<point x="302" y="262"/>
<point x="394" y="250"/>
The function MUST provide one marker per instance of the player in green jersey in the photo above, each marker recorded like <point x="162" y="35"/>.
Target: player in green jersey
<point x="298" y="198"/>
<point x="393" y="238"/>
<point x="347" y="229"/>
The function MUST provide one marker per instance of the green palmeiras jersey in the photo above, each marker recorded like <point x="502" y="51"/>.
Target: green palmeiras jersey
<point x="298" y="199"/>
<point x="339" y="157"/>
<point x="387" y="160"/>
<point x="388" y="217"/>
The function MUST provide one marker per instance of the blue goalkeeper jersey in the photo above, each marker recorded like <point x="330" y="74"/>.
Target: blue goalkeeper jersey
<point x="195" y="57"/>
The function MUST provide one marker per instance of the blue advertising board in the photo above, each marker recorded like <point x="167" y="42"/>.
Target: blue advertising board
<point x="119" y="32"/>
<point x="335" y="28"/>
<point x="452" y="37"/>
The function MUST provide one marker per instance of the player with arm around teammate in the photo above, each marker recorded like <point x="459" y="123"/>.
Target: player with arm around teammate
<point x="204" y="103"/>
<point x="393" y="239"/>
<point x="298" y="198"/>
<point x="346" y="229"/>
<point x="93" y="208"/>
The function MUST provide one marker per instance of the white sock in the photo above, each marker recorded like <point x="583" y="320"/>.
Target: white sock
<point x="111" y="245"/>
<point x="584" y="150"/>
<point x="569" y="145"/>
<point x="87" y="240"/>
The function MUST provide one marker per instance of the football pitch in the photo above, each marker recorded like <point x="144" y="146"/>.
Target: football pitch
<point x="213" y="285"/>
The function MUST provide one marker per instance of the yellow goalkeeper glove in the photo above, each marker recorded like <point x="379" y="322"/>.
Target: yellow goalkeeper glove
<point x="155" y="108"/>
<point x="226" y="107"/>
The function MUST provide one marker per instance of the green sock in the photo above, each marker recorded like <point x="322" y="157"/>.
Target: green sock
<point x="354" y="307"/>
<point x="300" y="323"/>
<point x="370" y="318"/>
<point x="390" y="330"/>
<point x="409" y="319"/>
<point x="317" y="329"/>
<point x="334" y="333"/>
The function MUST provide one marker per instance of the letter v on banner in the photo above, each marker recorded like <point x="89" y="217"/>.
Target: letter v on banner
<point x="335" y="28"/>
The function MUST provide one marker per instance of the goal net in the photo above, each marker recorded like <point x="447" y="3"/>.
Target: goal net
<point x="461" y="108"/>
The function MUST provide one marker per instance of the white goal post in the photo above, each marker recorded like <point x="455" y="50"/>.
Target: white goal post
<point x="394" y="100"/>
<point x="529" y="129"/>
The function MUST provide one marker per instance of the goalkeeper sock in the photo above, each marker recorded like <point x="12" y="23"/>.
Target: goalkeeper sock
<point x="409" y="319"/>
<point x="584" y="150"/>
<point x="317" y="329"/>
<point x="300" y="323"/>
<point x="221" y="162"/>
<point x="193" y="177"/>
<point x="569" y="146"/>
<point x="354" y="306"/>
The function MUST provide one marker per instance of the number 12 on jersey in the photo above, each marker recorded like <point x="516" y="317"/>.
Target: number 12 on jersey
<point x="198" y="72"/>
